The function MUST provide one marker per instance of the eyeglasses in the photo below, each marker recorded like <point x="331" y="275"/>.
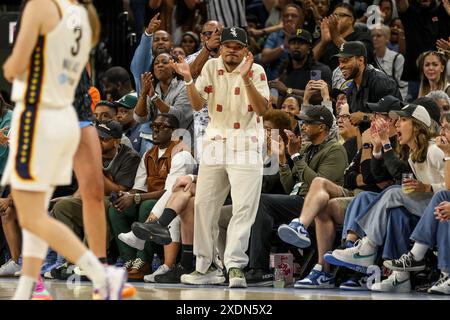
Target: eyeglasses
<point x="160" y="126"/>
<point x="343" y="116"/>
<point x="340" y="15"/>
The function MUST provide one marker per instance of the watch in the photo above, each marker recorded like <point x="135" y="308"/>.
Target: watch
<point x="367" y="146"/>
<point x="154" y="97"/>
<point x="137" y="198"/>
<point x="296" y="156"/>
<point x="289" y="90"/>
<point x="387" y="146"/>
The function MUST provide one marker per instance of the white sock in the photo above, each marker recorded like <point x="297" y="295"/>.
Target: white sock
<point x="368" y="247"/>
<point x="24" y="288"/>
<point x="401" y="275"/>
<point x="94" y="269"/>
<point x="419" y="250"/>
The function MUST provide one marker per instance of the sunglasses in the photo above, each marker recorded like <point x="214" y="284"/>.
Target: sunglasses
<point x="160" y="126"/>
<point x="341" y="15"/>
<point x="207" y="33"/>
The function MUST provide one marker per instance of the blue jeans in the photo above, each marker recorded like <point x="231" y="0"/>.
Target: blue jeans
<point x="431" y="232"/>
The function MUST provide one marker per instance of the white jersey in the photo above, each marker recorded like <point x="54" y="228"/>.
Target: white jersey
<point x="57" y="62"/>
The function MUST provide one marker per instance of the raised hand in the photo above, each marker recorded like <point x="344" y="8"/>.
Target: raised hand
<point x="154" y="24"/>
<point x="294" y="142"/>
<point x="325" y="30"/>
<point x="247" y="66"/>
<point x="147" y="84"/>
<point x="182" y="68"/>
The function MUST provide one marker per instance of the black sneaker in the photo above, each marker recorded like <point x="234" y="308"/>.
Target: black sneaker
<point x="63" y="272"/>
<point x="173" y="276"/>
<point x="259" y="278"/>
<point x="152" y="231"/>
<point x="405" y="263"/>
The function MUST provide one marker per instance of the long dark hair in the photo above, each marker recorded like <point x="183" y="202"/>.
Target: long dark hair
<point x="3" y="106"/>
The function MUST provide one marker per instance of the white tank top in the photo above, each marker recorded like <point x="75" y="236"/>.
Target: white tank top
<point x="57" y="61"/>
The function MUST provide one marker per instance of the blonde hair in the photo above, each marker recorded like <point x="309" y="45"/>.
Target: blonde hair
<point x="425" y="87"/>
<point x="384" y="29"/>
<point x="94" y="21"/>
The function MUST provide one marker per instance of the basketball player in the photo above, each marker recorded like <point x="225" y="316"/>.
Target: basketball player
<point x="49" y="55"/>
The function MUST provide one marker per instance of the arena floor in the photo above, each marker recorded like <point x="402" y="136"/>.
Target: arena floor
<point x="82" y="291"/>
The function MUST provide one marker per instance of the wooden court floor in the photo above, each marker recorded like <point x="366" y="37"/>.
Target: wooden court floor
<point x="62" y="290"/>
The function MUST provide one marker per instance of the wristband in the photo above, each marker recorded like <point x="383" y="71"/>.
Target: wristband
<point x="189" y="82"/>
<point x="154" y="97"/>
<point x="377" y="155"/>
<point x="148" y="34"/>
<point x="282" y="46"/>
<point x="192" y="177"/>
<point x="446" y="158"/>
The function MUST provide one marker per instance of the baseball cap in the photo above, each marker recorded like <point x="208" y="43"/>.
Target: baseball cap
<point x="109" y="129"/>
<point x="128" y="101"/>
<point x="352" y="49"/>
<point x="234" y="34"/>
<point x="317" y="114"/>
<point x="412" y="111"/>
<point x="386" y="104"/>
<point x="301" y="34"/>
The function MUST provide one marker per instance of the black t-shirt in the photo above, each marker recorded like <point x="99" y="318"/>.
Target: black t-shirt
<point x="423" y="27"/>
<point x="123" y="167"/>
<point x="331" y="49"/>
<point x="298" y="78"/>
<point x="351" y="147"/>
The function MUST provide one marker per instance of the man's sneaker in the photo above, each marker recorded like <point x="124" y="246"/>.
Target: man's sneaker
<point x="357" y="282"/>
<point x="47" y="267"/>
<point x="442" y="286"/>
<point x="392" y="284"/>
<point x="139" y="269"/>
<point x="63" y="272"/>
<point x="405" y="263"/>
<point x="128" y="265"/>
<point x="212" y="276"/>
<point x="172" y="276"/>
<point x="236" y="278"/>
<point x="344" y="245"/>
<point x="131" y="240"/>
<point x="259" y="278"/>
<point x="163" y="269"/>
<point x="9" y="268"/>
<point x="316" y="279"/>
<point x="40" y="293"/>
<point x="152" y="231"/>
<point x="295" y="233"/>
<point x="352" y="258"/>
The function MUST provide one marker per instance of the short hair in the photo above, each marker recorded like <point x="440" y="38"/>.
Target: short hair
<point x="348" y="7"/>
<point x="293" y="5"/>
<point x="171" y="119"/>
<point x="384" y="29"/>
<point x="438" y="95"/>
<point x="117" y="74"/>
<point x="281" y="121"/>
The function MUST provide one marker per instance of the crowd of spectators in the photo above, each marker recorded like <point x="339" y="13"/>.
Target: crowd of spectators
<point x="359" y="97"/>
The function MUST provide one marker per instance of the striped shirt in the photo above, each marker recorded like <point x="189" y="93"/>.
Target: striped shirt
<point x="230" y="13"/>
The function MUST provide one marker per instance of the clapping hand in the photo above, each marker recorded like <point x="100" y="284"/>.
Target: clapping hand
<point x="182" y="68"/>
<point x="294" y="142"/>
<point x="147" y="84"/>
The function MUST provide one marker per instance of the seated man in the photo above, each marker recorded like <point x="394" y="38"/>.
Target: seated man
<point x="120" y="164"/>
<point x="157" y="172"/>
<point x="323" y="157"/>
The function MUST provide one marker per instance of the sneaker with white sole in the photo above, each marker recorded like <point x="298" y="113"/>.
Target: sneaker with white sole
<point x="236" y="278"/>
<point x="316" y="279"/>
<point x="212" y="276"/>
<point x="353" y="258"/>
<point x="115" y="281"/>
<point x="392" y="284"/>
<point x="163" y="269"/>
<point x="131" y="240"/>
<point x="295" y="233"/>
<point x="9" y="268"/>
<point x="442" y="286"/>
<point x="405" y="263"/>
<point x="357" y="282"/>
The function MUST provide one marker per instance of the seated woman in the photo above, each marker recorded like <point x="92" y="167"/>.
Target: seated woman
<point x="425" y="159"/>
<point x="432" y="230"/>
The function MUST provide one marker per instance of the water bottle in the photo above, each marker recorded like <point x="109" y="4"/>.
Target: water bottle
<point x="156" y="262"/>
<point x="278" y="278"/>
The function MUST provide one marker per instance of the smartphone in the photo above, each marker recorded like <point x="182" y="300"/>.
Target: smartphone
<point x="113" y="197"/>
<point x="316" y="75"/>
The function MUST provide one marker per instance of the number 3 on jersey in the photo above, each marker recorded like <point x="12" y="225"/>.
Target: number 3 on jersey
<point x="79" y="34"/>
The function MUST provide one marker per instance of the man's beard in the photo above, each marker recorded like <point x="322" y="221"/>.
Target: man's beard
<point x="354" y="73"/>
<point x="297" y="56"/>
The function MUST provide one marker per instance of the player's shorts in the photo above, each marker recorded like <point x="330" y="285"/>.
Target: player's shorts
<point x="84" y="124"/>
<point x="42" y="142"/>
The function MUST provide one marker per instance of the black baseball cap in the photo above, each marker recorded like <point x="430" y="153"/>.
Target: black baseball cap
<point x="109" y="129"/>
<point x="234" y="34"/>
<point x="352" y="49"/>
<point x="386" y="104"/>
<point x="413" y="111"/>
<point x="317" y="114"/>
<point x="301" y="34"/>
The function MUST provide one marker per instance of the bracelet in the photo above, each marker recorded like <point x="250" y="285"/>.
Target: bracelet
<point x="206" y="47"/>
<point x="189" y="82"/>
<point x="192" y="177"/>
<point x="377" y="155"/>
<point x="282" y="46"/>
<point x="148" y="34"/>
<point x="446" y="158"/>
<point x="154" y="97"/>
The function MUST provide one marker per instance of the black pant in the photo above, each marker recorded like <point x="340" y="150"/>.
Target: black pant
<point x="273" y="210"/>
